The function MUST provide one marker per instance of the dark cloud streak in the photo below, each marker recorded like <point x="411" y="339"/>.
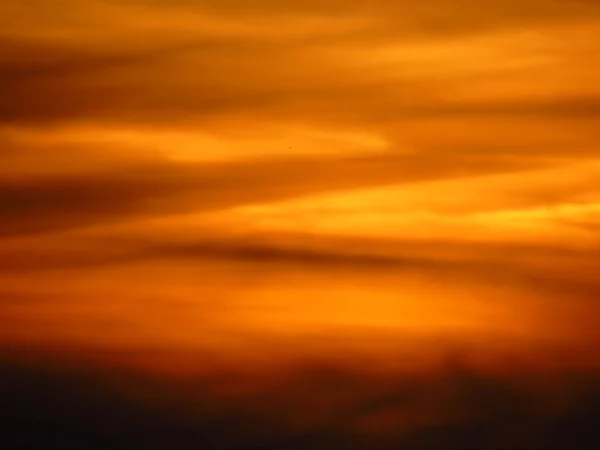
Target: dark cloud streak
<point x="51" y="202"/>
<point x="108" y="80"/>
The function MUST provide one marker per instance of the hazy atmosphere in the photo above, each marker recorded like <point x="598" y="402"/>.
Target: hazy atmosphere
<point x="232" y="224"/>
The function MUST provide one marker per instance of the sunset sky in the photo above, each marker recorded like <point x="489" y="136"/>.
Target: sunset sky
<point x="189" y="185"/>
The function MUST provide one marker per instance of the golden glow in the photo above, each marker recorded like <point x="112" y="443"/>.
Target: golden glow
<point x="288" y="181"/>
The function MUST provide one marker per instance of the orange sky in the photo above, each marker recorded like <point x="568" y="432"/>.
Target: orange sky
<point x="290" y="178"/>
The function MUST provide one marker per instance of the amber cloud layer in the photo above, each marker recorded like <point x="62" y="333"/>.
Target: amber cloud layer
<point x="220" y="162"/>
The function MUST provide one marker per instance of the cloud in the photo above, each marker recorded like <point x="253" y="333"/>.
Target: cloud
<point x="184" y="63"/>
<point x="52" y="188"/>
<point x="459" y="404"/>
<point x="248" y="186"/>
